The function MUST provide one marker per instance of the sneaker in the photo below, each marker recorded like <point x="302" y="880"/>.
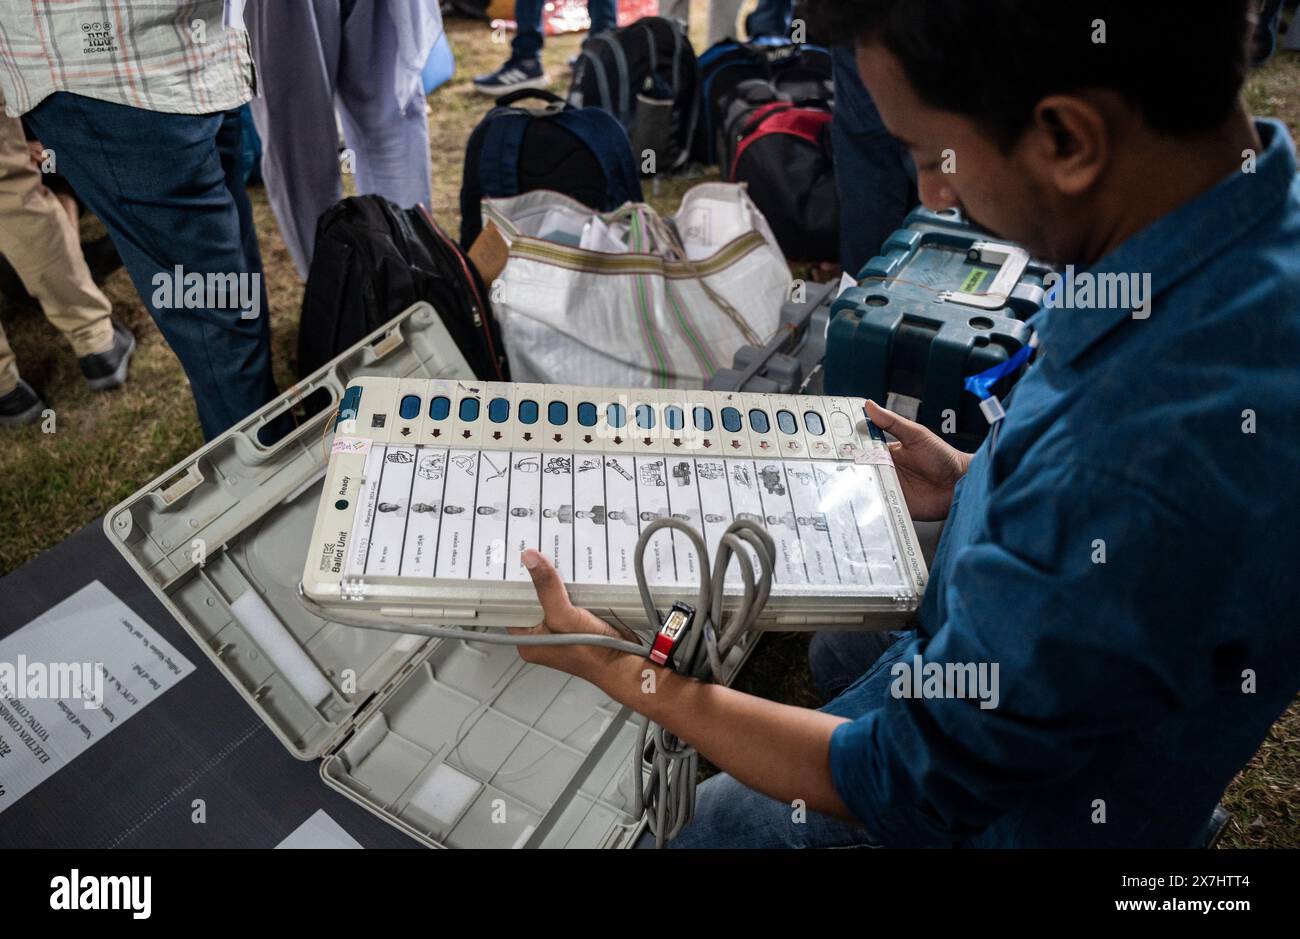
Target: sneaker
<point x="20" y="406"/>
<point x="104" y="370"/>
<point x="513" y="76"/>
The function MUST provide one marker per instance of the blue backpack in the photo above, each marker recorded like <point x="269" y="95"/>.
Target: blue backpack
<point x="581" y="152"/>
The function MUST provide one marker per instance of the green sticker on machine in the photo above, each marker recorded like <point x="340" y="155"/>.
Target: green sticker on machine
<point x="974" y="280"/>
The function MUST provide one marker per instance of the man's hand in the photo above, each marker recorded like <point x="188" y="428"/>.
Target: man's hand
<point x="778" y="749"/>
<point x="928" y="468"/>
<point x="560" y="617"/>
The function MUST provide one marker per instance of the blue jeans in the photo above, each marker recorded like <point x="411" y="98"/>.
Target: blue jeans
<point x="729" y="814"/>
<point x="168" y="188"/>
<point x="527" y="43"/>
<point x="873" y="172"/>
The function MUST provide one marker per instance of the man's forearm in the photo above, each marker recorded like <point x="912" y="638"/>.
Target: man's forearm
<point x="779" y="750"/>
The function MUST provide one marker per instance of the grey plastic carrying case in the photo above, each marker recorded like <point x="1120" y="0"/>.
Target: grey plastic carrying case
<point x="456" y="743"/>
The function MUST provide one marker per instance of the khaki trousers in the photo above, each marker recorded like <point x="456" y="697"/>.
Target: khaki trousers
<point x="40" y="242"/>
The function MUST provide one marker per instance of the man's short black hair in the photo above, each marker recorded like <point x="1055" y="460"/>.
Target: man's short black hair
<point x="1181" y="64"/>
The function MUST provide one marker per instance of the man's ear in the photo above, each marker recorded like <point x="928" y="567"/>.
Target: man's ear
<point x="1071" y="142"/>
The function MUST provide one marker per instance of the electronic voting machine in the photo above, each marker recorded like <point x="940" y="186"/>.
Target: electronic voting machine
<point x="435" y="487"/>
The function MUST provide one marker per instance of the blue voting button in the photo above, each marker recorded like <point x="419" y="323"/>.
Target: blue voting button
<point x="587" y="414"/>
<point x="409" y="408"/>
<point x="439" y="408"/>
<point x="349" y="405"/>
<point x="499" y="410"/>
<point x="731" y="420"/>
<point x="528" y="412"/>
<point x="468" y="409"/>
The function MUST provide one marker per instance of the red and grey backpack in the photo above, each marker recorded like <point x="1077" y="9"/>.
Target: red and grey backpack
<point x="781" y="149"/>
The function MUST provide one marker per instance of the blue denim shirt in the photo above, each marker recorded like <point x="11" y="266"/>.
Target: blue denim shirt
<point x="1128" y="553"/>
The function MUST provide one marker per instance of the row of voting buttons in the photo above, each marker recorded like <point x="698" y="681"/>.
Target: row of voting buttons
<point x="615" y="415"/>
<point x="561" y="417"/>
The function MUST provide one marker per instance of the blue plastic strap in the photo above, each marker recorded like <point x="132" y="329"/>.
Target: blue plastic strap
<point x="981" y="385"/>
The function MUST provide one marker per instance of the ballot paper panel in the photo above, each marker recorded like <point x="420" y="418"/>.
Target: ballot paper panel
<point x="467" y="514"/>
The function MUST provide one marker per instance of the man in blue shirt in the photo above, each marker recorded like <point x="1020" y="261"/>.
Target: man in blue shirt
<point x="1124" y="546"/>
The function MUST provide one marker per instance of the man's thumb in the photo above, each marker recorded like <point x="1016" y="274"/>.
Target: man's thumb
<point x="547" y="583"/>
<point x="905" y="431"/>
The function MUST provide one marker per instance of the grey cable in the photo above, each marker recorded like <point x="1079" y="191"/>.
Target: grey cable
<point x="668" y="796"/>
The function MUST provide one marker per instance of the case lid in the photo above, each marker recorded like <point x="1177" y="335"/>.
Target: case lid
<point x="221" y="536"/>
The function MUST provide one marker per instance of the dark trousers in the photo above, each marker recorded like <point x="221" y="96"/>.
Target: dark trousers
<point x="527" y="43"/>
<point x="873" y="173"/>
<point x="770" y="18"/>
<point x="168" y="189"/>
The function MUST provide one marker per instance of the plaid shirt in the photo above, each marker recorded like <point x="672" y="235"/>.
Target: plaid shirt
<point x="176" y="56"/>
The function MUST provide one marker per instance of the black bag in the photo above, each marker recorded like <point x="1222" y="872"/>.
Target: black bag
<point x="637" y="73"/>
<point x="580" y="152"/>
<point x="372" y="261"/>
<point x="797" y="72"/>
<point x="781" y="151"/>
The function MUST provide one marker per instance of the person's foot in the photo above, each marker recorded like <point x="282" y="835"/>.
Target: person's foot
<point x="20" y="406"/>
<point x="104" y="370"/>
<point x="516" y="74"/>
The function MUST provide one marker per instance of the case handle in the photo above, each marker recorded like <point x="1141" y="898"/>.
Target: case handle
<point x="386" y="343"/>
<point x="292" y="399"/>
<point x="177" y="487"/>
<point x="1013" y="259"/>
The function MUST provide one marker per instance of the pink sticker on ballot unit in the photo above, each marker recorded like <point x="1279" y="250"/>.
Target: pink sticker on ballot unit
<point x="874" y="456"/>
<point x="350" y="445"/>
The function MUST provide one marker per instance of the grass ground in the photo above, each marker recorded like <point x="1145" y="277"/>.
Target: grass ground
<point x="108" y="445"/>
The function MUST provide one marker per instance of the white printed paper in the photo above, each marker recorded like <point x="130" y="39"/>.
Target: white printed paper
<point x="469" y="514"/>
<point x="90" y="649"/>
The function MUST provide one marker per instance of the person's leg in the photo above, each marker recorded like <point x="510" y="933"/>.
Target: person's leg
<point x="527" y="44"/>
<point x="44" y="248"/>
<point x="873" y="172"/>
<point x="385" y="126"/>
<point x="729" y="814"/>
<point x="296" y="48"/>
<point x="160" y="185"/>
<point x="722" y="19"/>
<point x="679" y="10"/>
<point x="771" y="18"/>
<point x="1264" y="40"/>
<point x="9" y="376"/>
<point x="229" y="142"/>
<point x="524" y="67"/>
<point x="604" y="15"/>
<point x="838" y="659"/>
